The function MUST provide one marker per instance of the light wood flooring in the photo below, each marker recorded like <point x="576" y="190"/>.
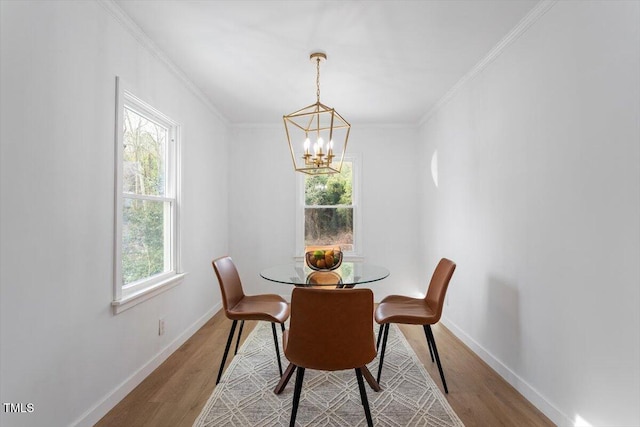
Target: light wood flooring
<point x="174" y="394"/>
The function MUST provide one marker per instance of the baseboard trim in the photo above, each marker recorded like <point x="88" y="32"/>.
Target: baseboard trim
<point x="100" y="409"/>
<point x="524" y="388"/>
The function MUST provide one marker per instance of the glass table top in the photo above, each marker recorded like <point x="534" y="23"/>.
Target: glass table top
<point x="347" y="275"/>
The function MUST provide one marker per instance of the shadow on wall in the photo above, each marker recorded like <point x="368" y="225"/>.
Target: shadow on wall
<point x="503" y="321"/>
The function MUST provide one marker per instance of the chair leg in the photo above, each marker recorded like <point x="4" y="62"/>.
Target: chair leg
<point x="363" y="397"/>
<point x="379" y="336"/>
<point x="226" y="349"/>
<point x="384" y="347"/>
<point x="296" y="395"/>
<point x="284" y="379"/>
<point x="275" y="340"/>
<point x="430" y="350"/>
<point x="429" y="333"/>
<point x="239" y="335"/>
<point x="282" y="326"/>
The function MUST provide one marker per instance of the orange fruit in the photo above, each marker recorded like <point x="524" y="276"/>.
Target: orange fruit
<point x="328" y="260"/>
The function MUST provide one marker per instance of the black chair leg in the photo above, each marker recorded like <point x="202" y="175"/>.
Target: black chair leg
<point x="226" y="349"/>
<point x="430" y="350"/>
<point x="275" y="340"/>
<point x="282" y="326"/>
<point x="363" y="397"/>
<point x="239" y="335"/>
<point x="296" y="395"/>
<point x="379" y="336"/>
<point x="384" y="347"/>
<point x="429" y="333"/>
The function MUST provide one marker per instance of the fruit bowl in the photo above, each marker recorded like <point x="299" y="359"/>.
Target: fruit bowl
<point x="323" y="259"/>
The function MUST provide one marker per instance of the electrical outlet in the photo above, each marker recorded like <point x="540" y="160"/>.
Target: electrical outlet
<point x="161" y="327"/>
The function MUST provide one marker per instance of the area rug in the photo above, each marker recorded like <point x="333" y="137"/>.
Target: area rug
<point x="244" y="397"/>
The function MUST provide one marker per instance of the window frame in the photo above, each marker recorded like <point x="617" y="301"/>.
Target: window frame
<point x="356" y="254"/>
<point x="129" y="295"/>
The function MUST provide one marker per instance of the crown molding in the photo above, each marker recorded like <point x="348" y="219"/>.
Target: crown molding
<point x="364" y="125"/>
<point x="534" y="14"/>
<point x="133" y="28"/>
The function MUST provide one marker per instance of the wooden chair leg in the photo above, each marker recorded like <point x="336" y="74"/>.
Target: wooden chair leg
<point x="369" y="378"/>
<point x="363" y="397"/>
<point x="226" y="349"/>
<point x="239" y="335"/>
<point x="296" y="395"/>
<point x="384" y="347"/>
<point x="429" y="333"/>
<point x="284" y="379"/>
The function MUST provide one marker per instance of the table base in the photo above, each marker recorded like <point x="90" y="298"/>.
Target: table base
<point x="286" y="376"/>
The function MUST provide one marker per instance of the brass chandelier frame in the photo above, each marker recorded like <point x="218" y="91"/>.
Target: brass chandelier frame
<point x="317" y="121"/>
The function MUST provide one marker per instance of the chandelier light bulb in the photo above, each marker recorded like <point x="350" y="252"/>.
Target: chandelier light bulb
<point x="307" y="144"/>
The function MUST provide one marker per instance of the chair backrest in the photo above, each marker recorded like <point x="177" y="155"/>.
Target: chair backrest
<point x="229" y="280"/>
<point x="331" y="329"/>
<point x="439" y="284"/>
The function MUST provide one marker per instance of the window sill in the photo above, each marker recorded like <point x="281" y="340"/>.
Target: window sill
<point x="136" y="298"/>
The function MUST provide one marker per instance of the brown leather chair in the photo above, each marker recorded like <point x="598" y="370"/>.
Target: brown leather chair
<point x="417" y="311"/>
<point x="238" y="306"/>
<point x="330" y="330"/>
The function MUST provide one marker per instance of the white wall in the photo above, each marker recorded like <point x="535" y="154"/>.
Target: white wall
<point x="263" y="232"/>
<point x="62" y="348"/>
<point x="539" y="204"/>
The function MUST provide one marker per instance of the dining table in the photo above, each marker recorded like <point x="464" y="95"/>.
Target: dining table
<point x="347" y="275"/>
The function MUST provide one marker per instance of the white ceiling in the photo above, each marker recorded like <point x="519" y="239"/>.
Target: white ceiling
<point x="388" y="61"/>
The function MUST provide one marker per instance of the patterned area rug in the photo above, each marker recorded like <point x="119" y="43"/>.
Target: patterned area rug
<point x="245" y="397"/>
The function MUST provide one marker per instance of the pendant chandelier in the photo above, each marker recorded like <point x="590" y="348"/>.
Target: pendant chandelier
<point x="317" y="134"/>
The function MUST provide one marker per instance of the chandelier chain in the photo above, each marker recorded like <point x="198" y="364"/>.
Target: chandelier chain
<point x="318" y="79"/>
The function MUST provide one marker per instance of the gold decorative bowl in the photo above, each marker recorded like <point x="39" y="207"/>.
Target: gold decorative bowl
<point x="323" y="259"/>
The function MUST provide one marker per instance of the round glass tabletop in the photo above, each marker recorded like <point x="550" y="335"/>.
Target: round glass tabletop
<point x="347" y="275"/>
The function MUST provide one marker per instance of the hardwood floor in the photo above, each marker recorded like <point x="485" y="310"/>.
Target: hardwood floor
<point x="477" y="393"/>
<point x="174" y="394"/>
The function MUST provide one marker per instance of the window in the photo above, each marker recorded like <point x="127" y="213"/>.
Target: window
<point x="329" y="209"/>
<point x="146" y="241"/>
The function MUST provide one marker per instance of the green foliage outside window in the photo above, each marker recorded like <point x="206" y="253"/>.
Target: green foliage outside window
<point x="143" y="252"/>
<point x="328" y="209"/>
<point x="142" y="239"/>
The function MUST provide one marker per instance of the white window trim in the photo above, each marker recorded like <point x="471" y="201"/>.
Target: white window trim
<point x="140" y="291"/>
<point x="355" y="255"/>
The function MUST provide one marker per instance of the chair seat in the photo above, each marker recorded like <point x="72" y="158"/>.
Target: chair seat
<point x="267" y="307"/>
<point x="405" y="310"/>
